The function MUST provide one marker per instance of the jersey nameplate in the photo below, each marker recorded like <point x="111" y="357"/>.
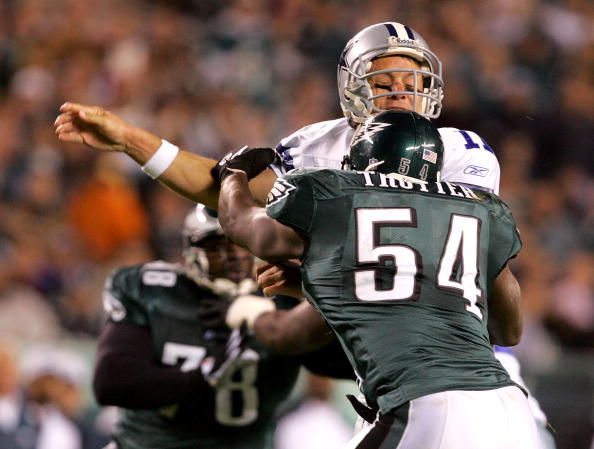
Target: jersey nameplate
<point x="373" y="179"/>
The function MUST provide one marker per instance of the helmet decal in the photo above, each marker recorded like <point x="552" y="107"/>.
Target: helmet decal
<point x="367" y="131"/>
<point x="392" y="29"/>
<point x="430" y="156"/>
<point x="397" y="142"/>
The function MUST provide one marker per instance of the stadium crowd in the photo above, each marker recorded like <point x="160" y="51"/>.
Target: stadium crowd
<point x="216" y="75"/>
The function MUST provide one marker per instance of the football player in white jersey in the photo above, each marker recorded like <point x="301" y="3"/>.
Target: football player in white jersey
<point x="384" y="66"/>
<point x="389" y="66"/>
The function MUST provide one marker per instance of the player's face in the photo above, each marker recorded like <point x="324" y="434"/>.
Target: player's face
<point x="226" y="260"/>
<point x="395" y="81"/>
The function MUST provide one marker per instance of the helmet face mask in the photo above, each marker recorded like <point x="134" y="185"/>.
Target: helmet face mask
<point x="397" y="143"/>
<point x="207" y="253"/>
<point x="387" y="39"/>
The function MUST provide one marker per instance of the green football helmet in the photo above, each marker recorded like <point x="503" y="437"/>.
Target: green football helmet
<point x="397" y="143"/>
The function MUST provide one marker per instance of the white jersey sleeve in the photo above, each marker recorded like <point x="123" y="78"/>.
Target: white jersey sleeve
<point x="321" y="144"/>
<point x="469" y="160"/>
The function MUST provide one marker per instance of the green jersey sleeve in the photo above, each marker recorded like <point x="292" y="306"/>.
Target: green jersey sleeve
<point x="121" y="296"/>
<point x="291" y="201"/>
<point x="504" y="236"/>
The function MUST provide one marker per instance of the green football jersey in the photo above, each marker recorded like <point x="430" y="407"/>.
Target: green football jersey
<point x="239" y="412"/>
<point x="401" y="272"/>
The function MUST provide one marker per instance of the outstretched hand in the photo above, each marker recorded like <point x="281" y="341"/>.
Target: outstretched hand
<point x="251" y="161"/>
<point x="91" y="125"/>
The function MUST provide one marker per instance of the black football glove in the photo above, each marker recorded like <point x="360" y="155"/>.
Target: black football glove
<point x="215" y="367"/>
<point x="251" y="161"/>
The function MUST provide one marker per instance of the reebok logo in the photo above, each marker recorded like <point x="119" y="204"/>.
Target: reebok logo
<point x="475" y="170"/>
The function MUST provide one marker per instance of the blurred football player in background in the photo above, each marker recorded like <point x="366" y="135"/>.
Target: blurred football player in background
<point x="164" y="355"/>
<point x="155" y="354"/>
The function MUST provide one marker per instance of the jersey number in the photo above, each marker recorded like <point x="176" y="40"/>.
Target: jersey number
<point x="245" y="368"/>
<point x="472" y="143"/>
<point x="457" y="268"/>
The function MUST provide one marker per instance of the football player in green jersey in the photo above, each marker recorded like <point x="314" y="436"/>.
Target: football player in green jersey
<point x="411" y="275"/>
<point x="155" y="353"/>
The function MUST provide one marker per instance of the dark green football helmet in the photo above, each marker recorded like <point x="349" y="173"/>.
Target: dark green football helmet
<point x="397" y="142"/>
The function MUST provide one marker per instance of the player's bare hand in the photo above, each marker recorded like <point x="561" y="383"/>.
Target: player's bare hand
<point x="281" y="279"/>
<point x="91" y="125"/>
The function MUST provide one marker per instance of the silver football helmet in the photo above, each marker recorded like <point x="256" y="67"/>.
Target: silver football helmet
<point x="384" y="39"/>
<point x="209" y="258"/>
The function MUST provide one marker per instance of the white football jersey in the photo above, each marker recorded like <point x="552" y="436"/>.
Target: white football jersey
<point x="467" y="158"/>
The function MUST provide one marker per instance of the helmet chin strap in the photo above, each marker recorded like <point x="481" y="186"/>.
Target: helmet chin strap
<point x="358" y="111"/>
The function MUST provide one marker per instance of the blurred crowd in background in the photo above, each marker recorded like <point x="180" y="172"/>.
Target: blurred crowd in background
<point x="214" y="75"/>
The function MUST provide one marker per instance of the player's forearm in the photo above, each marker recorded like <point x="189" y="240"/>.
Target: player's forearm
<point x="296" y="331"/>
<point x="130" y="383"/>
<point x="188" y="174"/>
<point x="283" y="335"/>
<point x="244" y="222"/>
<point x="126" y="374"/>
<point x="236" y="210"/>
<point x="505" y="318"/>
<point x="247" y="224"/>
<point x="139" y="143"/>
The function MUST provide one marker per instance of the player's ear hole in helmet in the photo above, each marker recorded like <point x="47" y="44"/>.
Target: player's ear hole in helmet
<point x="208" y="254"/>
<point x="397" y="143"/>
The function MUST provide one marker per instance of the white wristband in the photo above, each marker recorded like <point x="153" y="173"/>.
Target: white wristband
<point x="160" y="160"/>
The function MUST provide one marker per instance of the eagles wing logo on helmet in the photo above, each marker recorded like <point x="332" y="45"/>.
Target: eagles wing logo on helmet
<point x="280" y="190"/>
<point x="368" y="131"/>
<point x="404" y="143"/>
